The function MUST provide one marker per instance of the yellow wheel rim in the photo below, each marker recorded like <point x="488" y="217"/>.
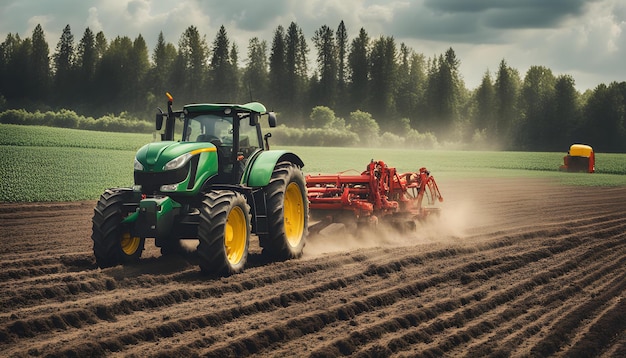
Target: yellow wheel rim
<point x="294" y="214"/>
<point x="130" y="244"/>
<point x="235" y="235"/>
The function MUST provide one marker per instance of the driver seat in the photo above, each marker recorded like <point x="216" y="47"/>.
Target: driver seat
<point x="204" y="138"/>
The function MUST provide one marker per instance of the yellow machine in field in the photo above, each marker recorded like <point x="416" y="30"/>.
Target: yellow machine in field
<point x="580" y="158"/>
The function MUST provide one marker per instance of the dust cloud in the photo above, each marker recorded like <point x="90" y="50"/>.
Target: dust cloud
<point x="189" y="245"/>
<point x="451" y="225"/>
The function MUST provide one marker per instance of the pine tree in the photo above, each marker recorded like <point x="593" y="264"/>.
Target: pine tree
<point x="485" y="106"/>
<point x="506" y="87"/>
<point x="417" y="85"/>
<point x="101" y="45"/>
<point x="278" y="70"/>
<point x="221" y="70"/>
<point x="295" y="75"/>
<point x="64" y="68"/>
<point x="18" y="71"/>
<point x="235" y="73"/>
<point x="86" y="61"/>
<point x="9" y="51"/>
<point x="383" y="77"/>
<point x="40" y="65"/>
<point x="163" y="59"/>
<point x="405" y="95"/>
<point x="115" y="77"/>
<point x="324" y="41"/>
<point x="255" y="76"/>
<point x="358" y="71"/>
<point x="341" y="38"/>
<point x="193" y="50"/>
<point x="139" y="64"/>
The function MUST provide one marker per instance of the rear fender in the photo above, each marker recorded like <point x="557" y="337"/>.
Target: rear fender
<point x="260" y="167"/>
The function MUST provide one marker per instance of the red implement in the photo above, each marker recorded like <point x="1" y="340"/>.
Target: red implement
<point x="379" y="192"/>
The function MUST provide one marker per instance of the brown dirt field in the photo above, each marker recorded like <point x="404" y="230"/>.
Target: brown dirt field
<point x="511" y="268"/>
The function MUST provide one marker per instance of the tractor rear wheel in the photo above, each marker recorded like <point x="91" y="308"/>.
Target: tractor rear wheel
<point x="288" y="213"/>
<point x="113" y="242"/>
<point x="223" y="232"/>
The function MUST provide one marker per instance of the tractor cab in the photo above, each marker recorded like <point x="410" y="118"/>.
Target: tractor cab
<point x="579" y="158"/>
<point x="233" y="130"/>
<point x="235" y="134"/>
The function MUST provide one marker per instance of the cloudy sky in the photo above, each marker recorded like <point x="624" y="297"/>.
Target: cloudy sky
<point x="582" y="38"/>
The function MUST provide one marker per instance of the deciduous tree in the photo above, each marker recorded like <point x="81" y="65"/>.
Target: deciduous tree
<point x="535" y="100"/>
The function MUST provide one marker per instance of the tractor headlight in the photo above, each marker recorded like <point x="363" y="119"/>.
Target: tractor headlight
<point x="177" y="162"/>
<point x="169" y="187"/>
<point x="138" y="166"/>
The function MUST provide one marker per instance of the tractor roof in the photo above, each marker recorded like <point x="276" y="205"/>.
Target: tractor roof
<point x="580" y="150"/>
<point x="205" y="107"/>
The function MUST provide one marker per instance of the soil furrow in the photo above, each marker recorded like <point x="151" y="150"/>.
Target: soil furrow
<point x="450" y="341"/>
<point x="505" y="340"/>
<point x="512" y="267"/>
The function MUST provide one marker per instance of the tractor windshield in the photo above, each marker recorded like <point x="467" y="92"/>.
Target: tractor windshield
<point x="209" y="128"/>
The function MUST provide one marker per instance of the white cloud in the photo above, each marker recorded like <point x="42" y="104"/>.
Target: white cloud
<point x="93" y="21"/>
<point x="42" y="20"/>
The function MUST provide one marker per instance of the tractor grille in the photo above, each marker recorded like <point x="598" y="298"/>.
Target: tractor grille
<point x="151" y="182"/>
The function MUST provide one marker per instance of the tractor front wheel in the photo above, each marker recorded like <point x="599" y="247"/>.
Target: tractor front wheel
<point x="223" y="232"/>
<point x="113" y="242"/>
<point x="288" y="213"/>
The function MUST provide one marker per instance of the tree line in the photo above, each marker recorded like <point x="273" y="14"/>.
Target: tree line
<point x="373" y="87"/>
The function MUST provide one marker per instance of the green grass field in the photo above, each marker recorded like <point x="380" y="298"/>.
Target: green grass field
<point x="55" y="164"/>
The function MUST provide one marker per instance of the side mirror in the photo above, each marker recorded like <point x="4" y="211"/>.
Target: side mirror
<point x="254" y="118"/>
<point x="271" y="120"/>
<point x="159" y="119"/>
<point x="267" y="142"/>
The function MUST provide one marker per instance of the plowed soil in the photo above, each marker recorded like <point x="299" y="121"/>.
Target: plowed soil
<point x="512" y="267"/>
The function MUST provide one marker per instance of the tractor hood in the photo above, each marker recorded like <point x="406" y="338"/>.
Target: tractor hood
<point x="153" y="157"/>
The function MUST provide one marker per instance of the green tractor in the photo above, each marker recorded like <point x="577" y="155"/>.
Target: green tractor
<point x="218" y="184"/>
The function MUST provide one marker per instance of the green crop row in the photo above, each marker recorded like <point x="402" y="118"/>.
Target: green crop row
<point x="52" y="164"/>
<point x="337" y="159"/>
<point x="38" y="136"/>
<point x="61" y="174"/>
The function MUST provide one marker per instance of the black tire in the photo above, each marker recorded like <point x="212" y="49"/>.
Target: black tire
<point x="286" y="237"/>
<point x="113" y="243"/>
<point x="224" y="219"/>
